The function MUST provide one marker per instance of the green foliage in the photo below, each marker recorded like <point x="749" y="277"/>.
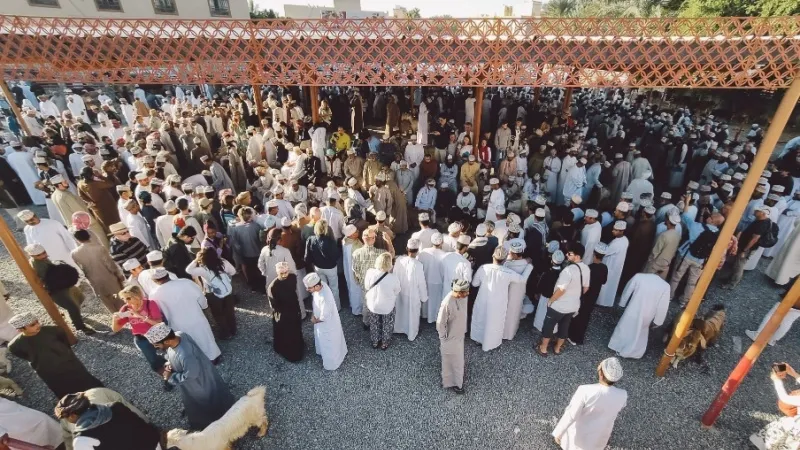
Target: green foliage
<point x="739" y="8"/>
<point x="669" y="8"/>
<point x="259" y="13"/>
<point x="413" y="13"/>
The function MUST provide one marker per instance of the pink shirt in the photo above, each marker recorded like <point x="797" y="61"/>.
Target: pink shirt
<point x="138" y="326"/>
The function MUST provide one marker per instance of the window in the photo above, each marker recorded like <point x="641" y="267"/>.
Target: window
<point x="165" y="7"/>
<point x="48" y="3"/>
<point x="108" y="5"/>
<point x="219" y="8"/>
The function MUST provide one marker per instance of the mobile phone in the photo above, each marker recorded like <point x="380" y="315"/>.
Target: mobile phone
<point x="779" y="367"/>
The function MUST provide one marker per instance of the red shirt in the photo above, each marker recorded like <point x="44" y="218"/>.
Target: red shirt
<point x="138" y="326"/>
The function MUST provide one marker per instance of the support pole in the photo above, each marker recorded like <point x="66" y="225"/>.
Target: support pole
<point x="537" y="92"/>
<point x="567" y="100"/>
<point x="258" y="101"/>
<point x="21" y="259"/>
<point x="12" y="102"/>
<point x="746" y="363"/>
<point x="314" y="93"/>
<point x="476" y="127"/>
<point x="756" y="168"/>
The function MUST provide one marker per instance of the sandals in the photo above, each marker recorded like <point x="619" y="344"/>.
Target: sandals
<point x="539" y="352"/>
<point x="384" y="346"/>
<point x="558" y="352"/>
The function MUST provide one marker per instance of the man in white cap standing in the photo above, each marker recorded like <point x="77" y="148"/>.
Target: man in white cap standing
<point x="575" y="180"/>
<point x="205" y="395"/>
<point x="497" y="200"/>
<point x="646" y="301"/>
<point x="489" y="313"/>
<point x="50" y="355"/>
<point x="451" y="325"/>
<point x="328" y="334"/>
<point x="413" y="293"/>
<point x="426" y="199"/>
<point x="182" y="302"/>
<point x="664" y="248"/>
<point x="641" y="186"/>
<point x="137" y="225"/>
<point x="589" y="418"/>
<point x="155" y="260"/>
<point x="451" y="238"/>
<point x="455" y="265"/>
<point x="516" y="292"/>
<point x="615" y="261"/>
<point x="590" y="235"/>
<point x="431" y="259"/>
<point x="51" y="235"/>
<point x="425" y="232"/>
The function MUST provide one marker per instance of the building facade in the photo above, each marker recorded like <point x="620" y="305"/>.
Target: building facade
<point x="342" y="9"/>
<point x="129" y="9"/>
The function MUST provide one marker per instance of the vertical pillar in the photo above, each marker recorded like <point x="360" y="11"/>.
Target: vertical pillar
<point x="257" y="100"/>
<point x="567" y="100"/>
<point x="537" y="92"/>
<point x="756" y="168"/>
<point x="17" y="113"/>
<point x="314" y="93"/>
<point x="21" y="259"/>
<point x="746" y="363"/>
<point x="411" y="94"/>
<point x="476" y="127"/>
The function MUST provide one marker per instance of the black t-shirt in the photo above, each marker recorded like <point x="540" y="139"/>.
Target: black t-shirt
<point x="759" y="227"/>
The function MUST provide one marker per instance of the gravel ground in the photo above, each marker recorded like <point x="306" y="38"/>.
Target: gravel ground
<point x="392" y="399"/>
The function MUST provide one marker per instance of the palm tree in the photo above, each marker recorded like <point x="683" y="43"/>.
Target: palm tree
<point x="562" y="8"/>
<point x="413" y="13"/>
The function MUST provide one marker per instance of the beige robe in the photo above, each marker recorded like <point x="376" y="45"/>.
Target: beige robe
<point x="371" y="170"/>
<point x="663" y="253"/>
<point x="354" y="168"/>
<point x="103" y="274"/>
<point x="68" y="204"/>
<point x="451" y="324"/>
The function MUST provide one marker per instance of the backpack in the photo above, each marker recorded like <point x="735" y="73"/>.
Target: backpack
<point x="59" y="276"/>
<point x="770" y="238"/>
<point x="702" y="246"/>
<point x="218" y="286"/>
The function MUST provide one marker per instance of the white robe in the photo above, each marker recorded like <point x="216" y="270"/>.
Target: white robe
<point x="566" y="164"/>
<point x="489" y="313"/>
<point x="77" y="107"/>
<point x="328" y="335"/>
<point x="496" y="199"/>
<point x="431" y="259"/>
<point x="454" y="266"/>
<point x="786" y="223"/>
<point x="49" y="108"/>
<point x="353" y="289"/>
<point x="22" y="163"/>
<point x="552" y="167"/>
<point x="414" y="154"/>
<point x="649" y="302"/>
<point x="614" y="260"/>
<point x="590" y="236"/>
<point x="55" y="239"/>
<point x="422" y="126"/>
<point x="469" y="110"/>
<point x="128" y="113"/>
<point x="786" y="264"/>
<point x="139" y="229"/>
<point x="516" y="297"/>
<point x="424" y="237"/>
<point x="574" y="182"/>
<point x="145" y="281"/>
<point x="589" y="418"/>
<point x="182" y="302"/>
<point x="413" y="294"/>
<point x="318" y="143"/>
<point x="29" y="425"/>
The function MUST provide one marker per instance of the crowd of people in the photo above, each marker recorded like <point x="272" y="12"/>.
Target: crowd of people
<point x="551" y="212"/>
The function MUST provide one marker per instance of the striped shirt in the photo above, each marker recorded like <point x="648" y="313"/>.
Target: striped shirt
<point x="132" y="248"/>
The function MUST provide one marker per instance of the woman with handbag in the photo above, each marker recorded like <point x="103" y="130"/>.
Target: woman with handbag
<point x="383" y="288"/>
<point x="216" y="274"/>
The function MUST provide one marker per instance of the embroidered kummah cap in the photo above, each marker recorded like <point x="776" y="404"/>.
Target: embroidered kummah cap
<point x="650" y="210"/>
<point x="25" y="215"/>
<point x="601" y="248"/>
<point x="413" y="244"/>
<point x="464" y="239"/>
<point x="22" y="320"/>
<point x="517" y="246"/>
<point x="381" y="216"/>
<point x="592" y="213"/>
<point x="285" y="222"/>
<point x="460" y="285"/>
<point x="500" y="253"/>
<point x="480" y="230"/>
<point x="620" y="225"/>
<point x="540" y="200"/>
<point x="623" y="206"/>
<point x="666" y="196"/>
<point x="558" y="257"/>
<point x="311" y="280"/>
<point x="157" y="333"/>
<point x="34" y="249"/>
<point x="349" y="230"/>
<point x="576" y="199"/>
<point x="540" y="213"/>
<point x="423" y="216"/>
<point x="131" y="264"/>
<point x="454" y="227"/>
<point x="612" y="369"/>
<point x="352" y="182"/>
<point x="155" y="255"/>
<point x="159" y="273"/>
<point x="282" y="267"/>
<point x="552" y="246"/>
<point x="437" y="239"/>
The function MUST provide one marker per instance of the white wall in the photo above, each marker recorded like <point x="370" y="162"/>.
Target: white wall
<point x="187" y="9"/>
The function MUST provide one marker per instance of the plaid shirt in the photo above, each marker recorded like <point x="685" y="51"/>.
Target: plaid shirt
<point x="363" y="259"/>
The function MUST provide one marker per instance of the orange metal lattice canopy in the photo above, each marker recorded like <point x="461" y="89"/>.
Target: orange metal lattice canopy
<point x="716" y="52"/>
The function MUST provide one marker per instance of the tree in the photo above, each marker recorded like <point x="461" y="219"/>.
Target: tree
<point x="561" y="8"/>
<point x="259" y="13"/>
<point x="739" y="8"/>
<point x="413" y="13"/>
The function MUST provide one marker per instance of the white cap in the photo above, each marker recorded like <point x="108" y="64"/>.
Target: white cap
<point x="155" y="255"/>
<point x="349" y="230"/>
<point x="311" y="280"/>
<point x="282" y="267"/>
<point x="56" y="179"/>
<point x="352" y="182"/>
<point x="454" y="227"/>
<point x="285" y="222"/>
<point x="499" y="210"/>
<point x="423" y="216"/>
<point x="158" y="333"/>
<point x="612" y="369"/>
<point x="34" y="249"/>
<point x="620" y="225"/>
<point x="494" y="181"/>
<point x="666" y="196"/>
<point x="277" y="190"/>
<point x="381" y="216"/>
<point x="480" y="230"/>
<point x="576" y="199"/>
<point x="413" y="244"/>
<point x="592" y="213"/>
<point x="160" y="272"/>
<point x="131" y="264"/>
<point x="650" y="210"/>
<point x="517" y="246"/>
<point x="437" y="239"/>
<point x="558" y="257"/>
<point x="22" y="320"/>
<point x="623" y="206"/>
<point x="25" y="215"/>
<point x="601" y="248"/>
<point x="464" y="239"/>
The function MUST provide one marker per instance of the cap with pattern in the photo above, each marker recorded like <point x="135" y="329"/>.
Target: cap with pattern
<point x="437" y="239"/>
<point x="601" y="248"/>
<point x="612" y="369"/>
<point x="131" y="264"/>
<point x="413" y="244"/>
<point x="311" y="280"/>
<point x="34" y="249"/>
<point x="25" y="215"/>
<point x="620" y="225"/>
<point x="157" y="333"/>
<point x="460" y="285"/>
<point x="464" y="239"/>
<point x="22" y="320"/>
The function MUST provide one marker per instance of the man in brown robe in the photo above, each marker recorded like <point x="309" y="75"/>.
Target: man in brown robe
<point x="451" y="324"/>
<point x="641" y="241"/>
<point x="103" y="273"/>
<point x="98" y="195"/>
<point x="664" y="249"/>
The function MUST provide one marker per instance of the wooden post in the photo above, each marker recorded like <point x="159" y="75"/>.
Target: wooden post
<point x="257" y="100"/>
<point x="21" y="258"/>
<point x="476" y="127"/>
<point x="746" y="363"/>
<point x="567" y="100"/>
<point x="537" y="92"/>
<point x="756" y="168"/>
<point x="314" y="93"/>
<point x="7" y="94"/>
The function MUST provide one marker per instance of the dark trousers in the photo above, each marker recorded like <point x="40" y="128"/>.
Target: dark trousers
<point x="223" y="312"/>
<point x="554" y="318"/>
<point x="155" y="360"/>
<point x="255" y="279"/>
<point x="72" y="308"/>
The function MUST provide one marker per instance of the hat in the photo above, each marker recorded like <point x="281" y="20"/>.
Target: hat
<point x="552" y="246"/>
<point x="516" y="246"/>
<point x="352" y="182"/>
<point x="775" y="197"/>
<point x="762" y="189"/>
<point x="56" y="179"/>
<point x="282" y="267"/>
<point x="666" y="196"/>
<point x="311" y="280"/>
<point x="22" y="320"/>
<point x="480" y="230"/>
<point x="500" y="210"/>
<point x="500" y="253"/>
<point x="727" y="187"/>
<point x="623" y="206"/>
<point x="40" y="160"/>
<point x="762" y="180"/>
<point x="540" y="200"/>
<point x="465" y="189"/>
<point x="487" y="188"/>
<point x="34" y="249"/>
<point x="494" y="181"/>
<point x="464" y="239"/>
<point x="618" y="155"/>
<point x="514" y="228"/>
<point x="380" y="176"/>
<point x="650" y="210"/>
<point x="437" y="239"/>
<point x="424" y="216"/>
<point x="767" y="174"/>
<point x="620" y="225"/>
<point x="159" y="273"/>
<point x="460" y="285"/>
<point x="583" y="161"/>
<point x="131" y="264"/>
<point x="540" y="213"/>
<point x="155" y="255"/>
<point x="444" y="185"/>
<point x="117" y="228"/>
<point x="674" y="218"/>
<point x="778" y="188"/>
<point x="277" y="190"/>
<point x="576" y="199"/>
<point x="627" y="195"/>
<point x="381" y="216"/>
<point x="413" y="244"/>
<point x="601" y="248"/>
<point x="158" y="333"/>
<point x="272" y="204"/>
<point x="592" y="213"/>
<point x="454" y="227"/>
<point x="157" y="182"/>
<point x="349" y="230"/>
<point x="286" y="222"/>
<point x="558" y="257"/>
<point x="25" y="215"/>
<point x="612" y="369"/>
<point x="738" y="176"/>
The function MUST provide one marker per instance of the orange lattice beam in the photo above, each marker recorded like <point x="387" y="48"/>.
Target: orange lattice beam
<point x="715" y="52"/>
